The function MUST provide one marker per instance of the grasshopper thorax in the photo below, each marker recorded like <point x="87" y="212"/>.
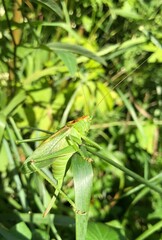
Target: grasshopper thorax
<point x="81" y="124"/>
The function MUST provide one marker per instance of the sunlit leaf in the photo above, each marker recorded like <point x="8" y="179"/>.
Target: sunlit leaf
<point x="69" y="60"/>
<point x="75" y="49"/>
<point x="98" y="231"/>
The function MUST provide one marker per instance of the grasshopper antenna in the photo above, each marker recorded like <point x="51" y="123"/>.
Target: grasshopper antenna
<point x="122" y="80"/>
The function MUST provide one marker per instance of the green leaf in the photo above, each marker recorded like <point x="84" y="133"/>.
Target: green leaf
<point x="132" y="112"/>
<point x="127" y="12"/>
<point x="87" y="23"/>
<point x="3" y="99"/>
<point x="19" y="232"/>
<point x="52" y="5"/>
<point x="62" y="25"/>
<point x="75" y="49"/>
<point x="83" y="177"/>
<point x="98" y="231"/>
<point x="18" y="99"/>
<point x="2" y="125"/>
<point x="69" y="60"/>
<point x="58" y="220"/>
<point x="147" y="142"/>
<point x="105" y="97"/>
<point x="151" y="229"/>
<point x="3" y="156"/>
<point x="40" y="234"/>
<point x="22" y="229"/>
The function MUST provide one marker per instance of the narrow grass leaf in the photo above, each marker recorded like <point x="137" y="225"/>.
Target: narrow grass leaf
<point x="18" y="99"/>
<point x="3" y="156"/>
<point x="127" y="12"/>
<point x="62" y="25"/>
<point x="14" y="163"/>
<point x="83" y="177"/>
<point x="52" y="5"/>
<point x="75" y="49"/>
<point x="152" y="229"/>
<point x="2" y="125"/>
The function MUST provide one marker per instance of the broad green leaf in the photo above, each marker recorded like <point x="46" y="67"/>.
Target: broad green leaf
<point x="75" y="49"/>
<point x="69" y="60"/>
<point x="45" y="94"/>
<point x="148" y="141"/>
<point x="98" y="231"/>
<point x="83" y="177"/>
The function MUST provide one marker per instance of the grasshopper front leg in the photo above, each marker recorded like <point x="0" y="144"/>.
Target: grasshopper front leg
<point x="91" y="143"/>
<point x="72" y="141"/>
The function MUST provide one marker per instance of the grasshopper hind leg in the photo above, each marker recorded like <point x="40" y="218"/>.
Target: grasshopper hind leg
<point x="48" y="179"/>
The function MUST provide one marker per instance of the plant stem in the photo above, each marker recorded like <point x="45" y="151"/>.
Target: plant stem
<point x="126" y="171"/>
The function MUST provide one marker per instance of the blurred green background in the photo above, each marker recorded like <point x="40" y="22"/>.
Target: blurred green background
<point x="64" y="59"/>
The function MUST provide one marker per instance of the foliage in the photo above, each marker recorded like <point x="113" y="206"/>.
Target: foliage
<point x="60" y="60"/>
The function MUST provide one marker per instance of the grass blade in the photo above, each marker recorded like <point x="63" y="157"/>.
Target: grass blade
<point x="64" y="47"/>
<point x="83" y="177"/>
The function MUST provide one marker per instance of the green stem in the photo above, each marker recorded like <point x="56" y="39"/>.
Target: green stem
<point x="18" y="135"/>
<point x="126" y="171"/>
<point x="150" y="231"/>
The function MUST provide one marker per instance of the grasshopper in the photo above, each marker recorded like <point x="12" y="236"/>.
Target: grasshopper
<point x="57" y="150"/>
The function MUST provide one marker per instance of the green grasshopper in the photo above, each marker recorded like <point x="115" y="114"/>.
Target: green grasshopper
<point x="57" y="150"/>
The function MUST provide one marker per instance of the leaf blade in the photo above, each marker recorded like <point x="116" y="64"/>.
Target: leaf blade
<point x="83" y="177"/>
<point x="75" y="49"/>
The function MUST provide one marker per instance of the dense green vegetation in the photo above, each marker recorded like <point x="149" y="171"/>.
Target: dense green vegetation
<point x="61" y="60"/>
